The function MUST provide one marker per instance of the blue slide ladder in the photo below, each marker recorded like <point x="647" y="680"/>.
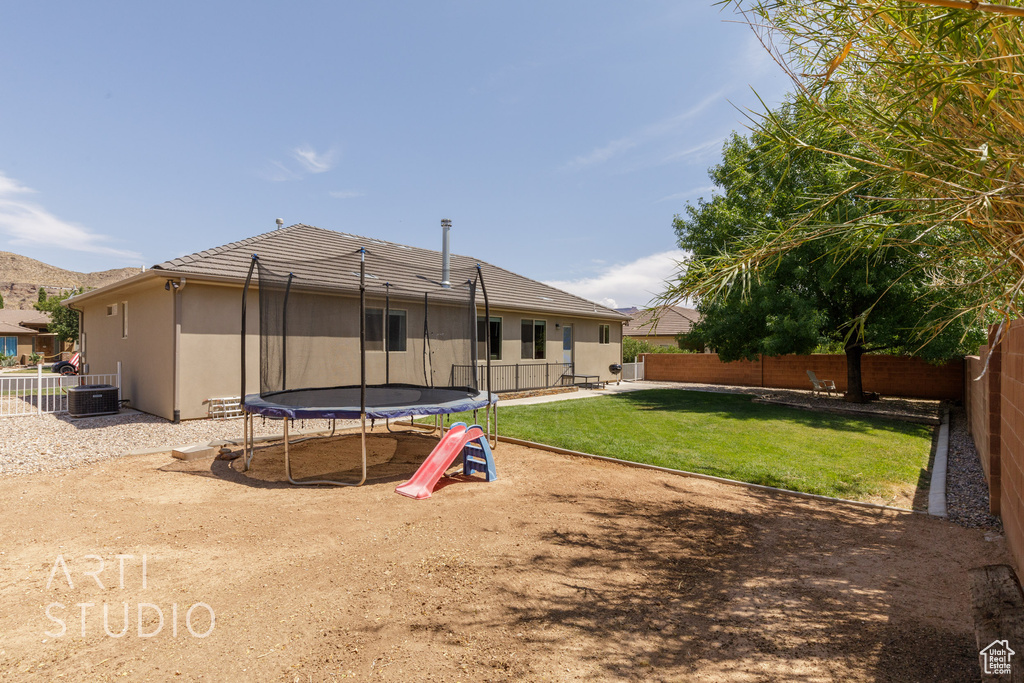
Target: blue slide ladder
<point x="477" y="457"/>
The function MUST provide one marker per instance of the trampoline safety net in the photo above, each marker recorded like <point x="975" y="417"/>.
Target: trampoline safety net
<point x="310" y="327"/>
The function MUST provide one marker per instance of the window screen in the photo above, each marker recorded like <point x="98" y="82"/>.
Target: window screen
<point x="534" y="339"/>
<point x="397" y="331"/>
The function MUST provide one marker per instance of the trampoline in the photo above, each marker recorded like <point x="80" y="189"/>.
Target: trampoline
<point x="336" y="347"/>
<point x="382" y="402"/>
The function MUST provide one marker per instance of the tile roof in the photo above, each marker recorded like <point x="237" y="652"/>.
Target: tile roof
<point x="11" y="328"/>
<point x="671" y="320"/>
<point x="325" y="258"/>
<point x="13" y="318"/>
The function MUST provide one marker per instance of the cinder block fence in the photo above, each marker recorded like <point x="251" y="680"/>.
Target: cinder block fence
<point x="888" y="375"/>
<point x="995" y="409"/>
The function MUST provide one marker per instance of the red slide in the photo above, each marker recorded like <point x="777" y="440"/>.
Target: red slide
<point x="440" y="459"/>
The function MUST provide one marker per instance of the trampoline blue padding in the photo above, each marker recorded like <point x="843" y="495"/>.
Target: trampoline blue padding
<point x="382" y="401"/>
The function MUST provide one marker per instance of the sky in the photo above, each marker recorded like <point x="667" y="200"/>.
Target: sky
<point x="560" y="138"/>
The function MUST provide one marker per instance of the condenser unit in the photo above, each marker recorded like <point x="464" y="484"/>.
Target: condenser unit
<point x="92" y="399"/>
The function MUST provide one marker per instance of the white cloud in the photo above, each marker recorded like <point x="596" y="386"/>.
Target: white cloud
<point x="645" y="135"/>
<point x="313" y="161"/>
<point x="696" y="152"/>
<point x="27" y="224"/>
<point x="707" y="189"/>
<point x="276" y="172"/>
<point x="305" y="161"/>
<point x="347" y="194"/>
<point x="627" y="284"/>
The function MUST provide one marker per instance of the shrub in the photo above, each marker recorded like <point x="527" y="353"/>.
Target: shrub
<point x="632" y="347"/>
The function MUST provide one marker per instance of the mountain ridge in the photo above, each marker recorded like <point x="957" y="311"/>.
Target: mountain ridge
<point x="21" y="278"/>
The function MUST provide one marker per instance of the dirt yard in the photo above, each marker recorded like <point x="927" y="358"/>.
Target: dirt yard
<point x="563" y="569"/>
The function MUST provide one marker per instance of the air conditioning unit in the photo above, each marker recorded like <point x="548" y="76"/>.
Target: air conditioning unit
<point x="92" y="399"/>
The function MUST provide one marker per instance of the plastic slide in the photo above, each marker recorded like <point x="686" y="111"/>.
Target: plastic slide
<point x="440" y="459"/>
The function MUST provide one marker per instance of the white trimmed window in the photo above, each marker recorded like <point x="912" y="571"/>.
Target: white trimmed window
<point x="491" y="331"/>
<point x="397" y="330"/>
<point x="534" y="338"/>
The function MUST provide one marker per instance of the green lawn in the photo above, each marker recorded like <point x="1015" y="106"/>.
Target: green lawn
<point x="31" y="391"/>
<point x="727" y="435"/>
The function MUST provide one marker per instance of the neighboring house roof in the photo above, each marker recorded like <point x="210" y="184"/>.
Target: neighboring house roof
<point x="10" y="328"/>
<point x="661" y="322"/>
<point x="325" y="258"/>
<point x="14" y="321"/>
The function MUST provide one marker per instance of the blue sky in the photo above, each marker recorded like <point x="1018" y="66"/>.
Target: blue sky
<point x="559" y="137"/>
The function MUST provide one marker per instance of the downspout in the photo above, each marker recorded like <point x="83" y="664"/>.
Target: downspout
<point x="175" y="359"/>
<point x="81" y="330"/>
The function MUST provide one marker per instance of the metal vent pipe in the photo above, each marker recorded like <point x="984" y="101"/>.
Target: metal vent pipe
<point x="446" y="256"/>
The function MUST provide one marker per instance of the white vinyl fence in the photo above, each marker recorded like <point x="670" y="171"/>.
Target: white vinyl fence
<point x="632" y="371"/>
<point x="45" y="392"/>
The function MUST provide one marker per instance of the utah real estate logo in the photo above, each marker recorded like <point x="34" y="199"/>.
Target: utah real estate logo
<point x="996" y="658"/>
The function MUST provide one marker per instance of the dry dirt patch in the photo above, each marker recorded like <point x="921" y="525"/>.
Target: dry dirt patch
<point x="563" y="569"/>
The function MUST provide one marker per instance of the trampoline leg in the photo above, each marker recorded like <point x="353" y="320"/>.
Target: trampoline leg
<point x="248" y="443"/>
<point x="315" y="482"/>
<point x="494" y="445"/>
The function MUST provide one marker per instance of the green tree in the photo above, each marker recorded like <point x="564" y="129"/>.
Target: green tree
<point x="63" y="320"/>
<point x="633" y="347"/>
<point x="42" y="296"/>
<point x="1" y="301"/>
<point x="935" y="106"/>
<point x="866" y="299"/>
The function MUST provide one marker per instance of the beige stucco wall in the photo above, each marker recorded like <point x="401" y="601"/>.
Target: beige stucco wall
<point x="147" y="353"/>
<point x="209" y="345"/>
<point x="589" y="355"/>
<point x="25" y="346"/>
<point x="210" y="366"/>
<point x="657" y="340"/>
<point x="323" y="357"/>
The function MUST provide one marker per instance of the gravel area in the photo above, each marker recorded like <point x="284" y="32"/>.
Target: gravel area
<point x="56" y="442"/>
<point x="966" y="488"/>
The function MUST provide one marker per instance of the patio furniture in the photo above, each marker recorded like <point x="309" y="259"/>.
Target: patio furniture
<point x="820" y="385"/>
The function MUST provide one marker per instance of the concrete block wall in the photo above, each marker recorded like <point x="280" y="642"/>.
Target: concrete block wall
<point x="790" y="372"/>
<point x="1010" y="457"/>
<point x="888" y="375"/>
<point x="995" y="416"/>
<point x="703" y="368"/>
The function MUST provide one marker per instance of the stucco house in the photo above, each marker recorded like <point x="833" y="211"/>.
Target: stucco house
<point x="23" y="333"/>
<point x="659" y="326"/>
<point x="176" y="327"/>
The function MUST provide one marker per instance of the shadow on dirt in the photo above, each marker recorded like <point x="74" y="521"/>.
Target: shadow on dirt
<point x="391" y="458"/>
<point x="678" y="586"/>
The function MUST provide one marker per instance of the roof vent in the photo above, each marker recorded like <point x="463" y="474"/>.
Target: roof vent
<point x="446" y="226"/>
<point x="280" y="223"/>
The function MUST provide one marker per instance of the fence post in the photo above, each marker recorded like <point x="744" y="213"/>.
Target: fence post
<point x="547" y="375"/>
<point x="517" y="376"/>
<point x="39" y="389"/>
